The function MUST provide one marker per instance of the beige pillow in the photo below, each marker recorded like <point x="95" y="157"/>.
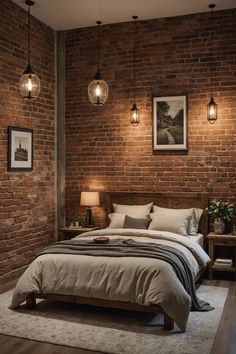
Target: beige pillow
<point x="193" y="215"/>
<point x="135" y="211"/>
<point x="198" y="213"/>
<point x="116" y="221"/>
<point x="177" y="224"/>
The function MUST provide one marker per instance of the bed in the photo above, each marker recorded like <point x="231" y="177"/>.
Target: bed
<point x="128" y="282"/>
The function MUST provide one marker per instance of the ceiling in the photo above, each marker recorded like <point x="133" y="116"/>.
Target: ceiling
<point x="68" y="14"/>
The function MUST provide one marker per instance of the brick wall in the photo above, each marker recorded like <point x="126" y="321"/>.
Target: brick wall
<point x="27" y="199"/>
<point x="104" y="152"/>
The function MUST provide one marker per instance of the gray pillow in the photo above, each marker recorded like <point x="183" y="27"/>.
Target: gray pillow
<point x="134" y="223"/>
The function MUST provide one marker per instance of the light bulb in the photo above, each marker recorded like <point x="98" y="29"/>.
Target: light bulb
<point x="212" y="112"/>
<point x="134" y="115"/>
<point x="98" y="90"/>
<point x="29" y="84"/>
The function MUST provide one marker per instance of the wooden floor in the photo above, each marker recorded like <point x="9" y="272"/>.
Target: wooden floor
<point x="224" y="343"/>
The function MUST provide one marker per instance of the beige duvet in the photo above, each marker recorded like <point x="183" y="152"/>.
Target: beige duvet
<point x="138" y="280"/>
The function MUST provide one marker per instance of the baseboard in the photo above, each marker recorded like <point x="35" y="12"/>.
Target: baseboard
<point x="14" y="274"/>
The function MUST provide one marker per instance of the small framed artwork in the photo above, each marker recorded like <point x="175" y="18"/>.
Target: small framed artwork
<point x="20" y="149"/>
<point x="170" y="123"/>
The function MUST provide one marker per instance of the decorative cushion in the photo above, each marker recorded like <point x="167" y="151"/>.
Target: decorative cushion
<point x="177" y="224"/>
<point x="135" y="211"/>
<point x="134" y="223"/>
<point x="116" y="221"/>
<point x="193" y="214"/>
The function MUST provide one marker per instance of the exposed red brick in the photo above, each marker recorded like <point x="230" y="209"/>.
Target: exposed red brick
<point x="104" y="152"/>
<point x="27" y="205"/>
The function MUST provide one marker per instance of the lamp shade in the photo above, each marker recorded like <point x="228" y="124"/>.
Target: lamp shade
<point x="98" y="91"/>
<point x="134" y="115"/>
<point x="212" y="111"/>
<point x="29" y="85"/>
<point x="89" y="199"/>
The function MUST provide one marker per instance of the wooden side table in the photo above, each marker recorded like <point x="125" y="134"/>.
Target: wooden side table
<point x="69" y="232"/>
<point x="221" y="240"/>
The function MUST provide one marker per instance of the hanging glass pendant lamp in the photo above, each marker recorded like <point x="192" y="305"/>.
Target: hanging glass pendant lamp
<point x="212" y="106"/>
<point x="29" y="82"/>
<point x="98" y="89"/>
<point x="134" y="112"/>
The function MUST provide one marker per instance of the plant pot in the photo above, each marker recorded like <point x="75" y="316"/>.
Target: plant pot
<point x="219" y="226"/>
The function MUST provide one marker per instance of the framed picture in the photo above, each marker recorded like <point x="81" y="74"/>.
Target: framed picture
<point x="20" y="149"/>
<point x="170" y="123"/>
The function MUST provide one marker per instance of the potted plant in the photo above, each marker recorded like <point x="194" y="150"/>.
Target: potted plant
<point x="77" y="221"/>
<point x="221" y="212"/>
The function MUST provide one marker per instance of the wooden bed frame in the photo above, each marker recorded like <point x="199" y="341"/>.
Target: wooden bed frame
<point x="168" y="200"/>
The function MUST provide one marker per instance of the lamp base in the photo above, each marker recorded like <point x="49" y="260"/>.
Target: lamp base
<point x="88" y="218"/>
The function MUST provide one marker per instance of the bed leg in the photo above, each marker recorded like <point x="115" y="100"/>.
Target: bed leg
<point x="31" y="301"/>
<point x="168" y="322"/>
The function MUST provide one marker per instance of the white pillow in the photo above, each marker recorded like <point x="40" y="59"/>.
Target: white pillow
<point x="198" y="213"/>
<point x="135" y="211"/>
<point x="176" y="223"/>
<point x="116" y="221"/>
<point x="193" y="215"/>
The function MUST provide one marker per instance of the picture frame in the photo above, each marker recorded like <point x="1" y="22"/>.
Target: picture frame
<point x="170" y="123"/>
<point x="20" y="149"/>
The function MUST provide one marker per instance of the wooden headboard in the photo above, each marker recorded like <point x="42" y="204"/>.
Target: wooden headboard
<point x="167" y="200"/>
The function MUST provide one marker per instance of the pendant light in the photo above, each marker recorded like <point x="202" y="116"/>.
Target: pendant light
<point x="29" y="83"/>
<point x="134" y="112"/>
<point x="212" y="106"/>
<point x="98" y="89"/>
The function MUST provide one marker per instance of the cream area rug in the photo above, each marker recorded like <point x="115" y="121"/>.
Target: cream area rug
<point x="113" y="331"/>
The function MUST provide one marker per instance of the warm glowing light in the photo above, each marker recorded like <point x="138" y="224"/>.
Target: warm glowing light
<point x="98" y="90"/>
<point x="89" y="198"/>
<point x="212" y="111"/>
<point x="134" y="115"/>
<point x="29" y="85"/>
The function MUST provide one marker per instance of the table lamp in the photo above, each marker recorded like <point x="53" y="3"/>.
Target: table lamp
<point x="89" y="199"/>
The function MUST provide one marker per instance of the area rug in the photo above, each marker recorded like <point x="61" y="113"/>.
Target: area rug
<point x="113" y="331"/>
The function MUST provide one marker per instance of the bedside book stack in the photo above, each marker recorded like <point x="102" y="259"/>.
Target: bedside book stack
<point x="223" y="263"/>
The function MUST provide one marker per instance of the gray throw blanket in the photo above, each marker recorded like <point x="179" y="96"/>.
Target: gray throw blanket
<point x="131" y="248"/>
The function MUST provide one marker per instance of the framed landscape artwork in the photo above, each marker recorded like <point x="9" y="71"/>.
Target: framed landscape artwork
<point x="20" y="149"/>
<point x="170" y="123"/>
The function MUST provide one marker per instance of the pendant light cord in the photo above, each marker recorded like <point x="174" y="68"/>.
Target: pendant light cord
<point x="134" y="57"/>
<point x="211" y="50"/>
<point x="211" y="6"/>
<point x="98" y="44"/>
<point x="29" y="48"/>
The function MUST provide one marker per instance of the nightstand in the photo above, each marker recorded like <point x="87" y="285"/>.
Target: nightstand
<point x="69" y="232"/>
<point x="221" y="240"/>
